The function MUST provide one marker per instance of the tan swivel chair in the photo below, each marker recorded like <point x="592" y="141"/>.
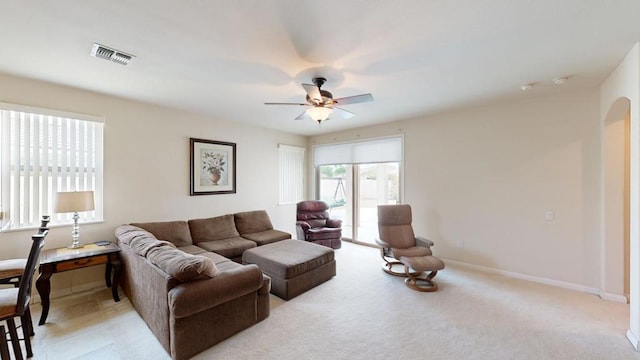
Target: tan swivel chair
<point x="14" y="302"/>
<point x="400" y="246"/>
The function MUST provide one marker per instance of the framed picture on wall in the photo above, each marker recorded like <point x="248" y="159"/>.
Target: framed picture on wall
<point x="213" y="167"/>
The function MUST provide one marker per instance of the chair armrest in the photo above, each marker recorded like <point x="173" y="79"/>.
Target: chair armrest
<point x="420" y="241"/>
<point x="382" y="243"/>
<point x="303" y="225"/>
<point x="193" y="297"/>
<point x="334" y="223"/>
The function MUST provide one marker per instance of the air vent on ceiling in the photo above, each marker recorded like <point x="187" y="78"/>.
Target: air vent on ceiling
<point x="103" y="52"/>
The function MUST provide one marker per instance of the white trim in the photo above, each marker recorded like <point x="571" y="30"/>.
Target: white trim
<point x="614" y="297"/>
<point x="50" y="112"/>
<point x="301" y="149"/>
<point x="545" y="281"/>
<point x="633" y="340"/>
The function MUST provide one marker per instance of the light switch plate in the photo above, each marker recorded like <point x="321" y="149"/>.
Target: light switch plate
<point x="548" y="216"/>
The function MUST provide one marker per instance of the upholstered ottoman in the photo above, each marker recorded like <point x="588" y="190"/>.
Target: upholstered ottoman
<point x="294" y="266"/>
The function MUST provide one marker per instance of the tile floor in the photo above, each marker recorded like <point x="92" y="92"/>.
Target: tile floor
<point x="91" y="325"/>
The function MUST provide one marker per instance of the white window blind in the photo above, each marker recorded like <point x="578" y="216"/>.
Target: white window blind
<point x="291" y="174"/>
<point x="43" y="152"/>
<point x="360" y="152"/>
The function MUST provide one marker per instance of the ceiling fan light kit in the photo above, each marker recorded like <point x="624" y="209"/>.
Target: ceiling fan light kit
<point x="319" y="113"/>
<point x="321" y="103"/>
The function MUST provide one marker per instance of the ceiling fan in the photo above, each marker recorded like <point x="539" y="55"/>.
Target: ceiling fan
<point x="322" y="104"/>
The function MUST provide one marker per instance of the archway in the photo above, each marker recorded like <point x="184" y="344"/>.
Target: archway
<point x="616" y="200"/>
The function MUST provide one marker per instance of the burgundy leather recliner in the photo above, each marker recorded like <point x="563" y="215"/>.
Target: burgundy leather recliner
<point x="313" y="224"/>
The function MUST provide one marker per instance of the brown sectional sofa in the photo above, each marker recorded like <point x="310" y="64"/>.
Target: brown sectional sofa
<point x="180" y="277"/>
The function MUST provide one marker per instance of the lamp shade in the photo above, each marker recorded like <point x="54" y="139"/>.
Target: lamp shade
<point x="74" y="201"/>
<point x="319" y="113"/>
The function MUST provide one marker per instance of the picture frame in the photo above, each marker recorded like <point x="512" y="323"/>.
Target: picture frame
<point x="212" y="167"/>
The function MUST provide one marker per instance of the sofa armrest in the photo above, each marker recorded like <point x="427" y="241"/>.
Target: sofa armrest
<point x="420" y="241"/>
<point x="334" y="223"/>
<point x="193" y="297"/>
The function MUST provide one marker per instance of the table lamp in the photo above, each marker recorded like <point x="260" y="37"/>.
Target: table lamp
<point x="74" y="201"/>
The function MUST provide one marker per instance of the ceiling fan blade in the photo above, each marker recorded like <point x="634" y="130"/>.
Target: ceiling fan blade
<point x="278" y="103"/>
<point x="342" y="113"/>
<point x="353" y="99"/>
<point x="304" y="116"/>
<point x="313" y="91"/>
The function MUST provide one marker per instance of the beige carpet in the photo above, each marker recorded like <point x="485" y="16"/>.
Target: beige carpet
<point x="364" y="313"/>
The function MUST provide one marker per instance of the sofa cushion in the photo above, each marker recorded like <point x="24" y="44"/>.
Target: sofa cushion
<point x="249" y="222"/>
<point x="267" y="236"/>
<point x="215" y="228"/>
<point x="180" y="265"/>
<point x="192" y="249"/>
<point x="217" y="259"/>
<point x="175" y="231"/>
<point x="231" y="248"/>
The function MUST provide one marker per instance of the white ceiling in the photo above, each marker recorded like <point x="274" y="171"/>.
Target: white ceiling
<point x="226" y="58"/>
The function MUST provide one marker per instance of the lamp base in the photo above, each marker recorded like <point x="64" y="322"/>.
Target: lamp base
<point x="75" y="233"/>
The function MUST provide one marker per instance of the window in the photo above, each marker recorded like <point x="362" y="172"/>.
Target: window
<point x="291" y="174"/>
<point x="43" y="152"/>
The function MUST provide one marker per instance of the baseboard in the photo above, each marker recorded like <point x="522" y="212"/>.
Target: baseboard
<point x="35" y="298"/>
<point x="545" y="281"/>
<point x="633" y="339"/>
<point x="614" y="297"/>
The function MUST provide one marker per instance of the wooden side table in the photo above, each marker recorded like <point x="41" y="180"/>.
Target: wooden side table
<point x="63" y="259"/>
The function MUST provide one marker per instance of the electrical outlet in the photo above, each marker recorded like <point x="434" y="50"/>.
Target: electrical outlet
<point x="549" y="215"/>
<point x="460" y="244"/>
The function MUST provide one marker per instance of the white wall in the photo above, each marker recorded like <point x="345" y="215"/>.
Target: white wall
<point x="146" y="167"/>
<point x="486" y="177"/>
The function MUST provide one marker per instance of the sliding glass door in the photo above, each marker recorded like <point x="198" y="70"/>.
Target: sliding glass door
<point x="377" y="184"/>
<point x="354" y="192"/>
<point x="356" y="177"/>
